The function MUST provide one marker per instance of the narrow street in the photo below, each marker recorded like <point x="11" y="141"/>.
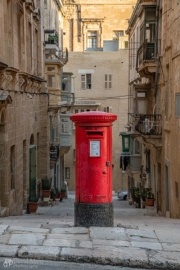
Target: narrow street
<point x="138" y="239"/>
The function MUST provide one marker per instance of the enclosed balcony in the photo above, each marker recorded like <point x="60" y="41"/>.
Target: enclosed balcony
<point x="146" y="59"/>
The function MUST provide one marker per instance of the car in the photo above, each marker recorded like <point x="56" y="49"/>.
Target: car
<point x="122" y="195"/>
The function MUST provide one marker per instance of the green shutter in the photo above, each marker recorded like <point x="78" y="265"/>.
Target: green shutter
<point x="125" y="142"/>
<point x="32" y="171"/>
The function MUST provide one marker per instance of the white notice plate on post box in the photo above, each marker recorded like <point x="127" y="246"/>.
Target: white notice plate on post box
<point x="94" y="148"/>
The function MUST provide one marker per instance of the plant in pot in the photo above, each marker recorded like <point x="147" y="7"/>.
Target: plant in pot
<point x="32" y="204"/>
<point x="63" y="192"/>
<point x="53" y="196"/>
<point x="149" y="198"/>
<point x="57" y="197"/>
<point x="132" y="191"/>
<point x="143" y="198"/>
<point x="137" y="196"/>
<point x="46" y="188"/>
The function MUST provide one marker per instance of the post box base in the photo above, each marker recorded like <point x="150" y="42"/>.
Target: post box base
<point x="99" y="215"/>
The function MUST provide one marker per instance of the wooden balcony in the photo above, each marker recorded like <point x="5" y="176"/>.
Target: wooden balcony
<point x="146" y="61"/>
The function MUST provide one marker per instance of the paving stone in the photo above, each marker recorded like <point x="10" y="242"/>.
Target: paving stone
<point x="72" y="230"/>
<point x="108" y="233"/>
<point x="26" y="239"/>
<point x="8" y="251"/>
<point x="39" y="252"/>
<point x="114" y="243"/>
<point x="20" y="229"/>
<point x="141" y="233"/>
<point x="171" y="246"/>
<point x="4" y="238"/>
<point x="164" y="259"/>
<point x="171" y="236"/>
<point x="60" y="242"/>
<point x="3" y="228"/>
<point x="76" y="254"/>
<point x="80" y="237"/>
<point x="127" y="226"/>
<point x="147" y="245"/>
<point x="86" y="244"/>
<point x="125" y="256"/>
<point x="141" y="239"/>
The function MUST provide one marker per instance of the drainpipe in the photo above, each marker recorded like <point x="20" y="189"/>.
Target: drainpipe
<point x="157" y="57"/>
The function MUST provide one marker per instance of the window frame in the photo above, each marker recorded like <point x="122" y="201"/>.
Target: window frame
<point x="86" y="81"/>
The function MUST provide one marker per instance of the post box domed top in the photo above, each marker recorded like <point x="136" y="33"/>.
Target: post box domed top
<point x="93" y="117"/>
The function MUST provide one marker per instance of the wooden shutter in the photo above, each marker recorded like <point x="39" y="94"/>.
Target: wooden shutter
<point x="106" y="81"/>
<point x="110" y="81"/>
<point x="83" y="81"/>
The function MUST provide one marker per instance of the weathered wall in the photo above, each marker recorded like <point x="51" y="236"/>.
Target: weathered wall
<point x="101" y="63"/>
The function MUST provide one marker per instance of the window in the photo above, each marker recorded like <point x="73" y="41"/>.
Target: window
<point x="108" y="81"/>
<point x="136" y="147"/>
<point x="86" y="81"/>
<point x="118" y="33"/>
<point x="126" y="44"/>
<point x="67" y="172"/>
<point x="52" y="134"/>
<point x="177" y="105"/>
<point x="51" y="81"/>
<point x="51" y="69"/>
<point x="108" y="109"/>
<point x="76" y="111"/>
<point x="92" y="39"/>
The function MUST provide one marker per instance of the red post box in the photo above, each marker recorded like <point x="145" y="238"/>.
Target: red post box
<point x="93" y="203"/>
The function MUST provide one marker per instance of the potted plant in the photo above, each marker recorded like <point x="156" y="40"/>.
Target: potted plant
<point x="53" y="196"/>
<point x="33" y="204"/>
<point x="53" y="39"/>
<point x="149" y="198"/>
<point x="132" y="191"/>
<point x="137" y="196"/>
<point x="63" y="192"/>
<point x="143" y="198"/>
<point x="46" y="188"/>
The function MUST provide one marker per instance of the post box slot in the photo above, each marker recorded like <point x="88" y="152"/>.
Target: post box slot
<point x="94" y="133"/>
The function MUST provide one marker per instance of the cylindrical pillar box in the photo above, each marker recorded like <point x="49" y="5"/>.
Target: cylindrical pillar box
<point x="93" y="202"/>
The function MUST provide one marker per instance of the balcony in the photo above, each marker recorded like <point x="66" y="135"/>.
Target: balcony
<point x="146" y="58"/>
<point x="54" y="152"/>
<point x="51" y="37"/>
<point x="53" y="53"/>
<point x="150" y="128"/>
<point x="67" y="96"/>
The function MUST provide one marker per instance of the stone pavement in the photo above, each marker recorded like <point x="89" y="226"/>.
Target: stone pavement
<point x="136" y="240"/>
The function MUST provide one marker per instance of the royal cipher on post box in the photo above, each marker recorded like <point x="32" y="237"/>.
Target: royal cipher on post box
<point x="93" y="202"/>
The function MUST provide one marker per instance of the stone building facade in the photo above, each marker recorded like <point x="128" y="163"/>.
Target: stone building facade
<point x="94" y="33"/>
<point x="153" y="120"/>
<point x="55" y="58"/>
<point x="24" y="151"/>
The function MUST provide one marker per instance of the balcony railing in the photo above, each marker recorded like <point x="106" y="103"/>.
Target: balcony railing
<point x="149" y="124"/>
<point x="51" y="37"/>
<point x="147" y="51"/>
<point x="54" y="152"/>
